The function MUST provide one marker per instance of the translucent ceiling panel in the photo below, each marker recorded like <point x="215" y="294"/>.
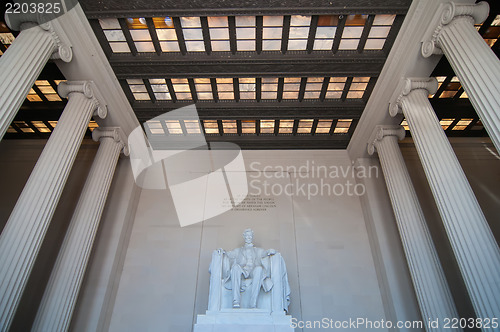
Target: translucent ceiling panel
<point x="114" y="35"/>
<point x="266" y="126"/>
<point x="138" y="89"/>
<point x="343" y="126"/>
<point x="313" y="87"/>
<point x="404" y="124"/>
<point x="140" y="34"/>
<point x="324" y="126"/>
<point x="353" y="29"/>
<point x="291" y="87"/>
<point x="203" y="88"/>
<point x="160" y="89"/>
<point x="325" y="33"/>
<point x="23" y="126"/>
<point x="286" y="126"/>
<point x="272" y="32"/>
<point x="192" y="126"/>
<point x="358" y="87"/>
<point x="181" y="88"/>
<point x="229" y="126"/>
<point x="247" y="88"/>
<point x="219" y="33"/>
<point x="155" y="127"/>
<point x="193" y="35"/>
<point x="462" y="124"/>
<point x="299" y="32"/>
<point x="40" y="126"/>
<point x="305" y="126"/>
<point x="33" y="96"/>
<point x="379" y="31"/>
<point x="211" y="126"/>
<point x="47" y="90"/>
<point x="451" y="89"/>
<point x="166" y="34"/>
<point x="445" y="123"/>
<point x="335" y="87"/>
<point x="269" y="88"/>
<point x="174" y="127"/>
<point x="248" y="126"/>
<point x="225" y="88"/>
<point x="245" y="33"/>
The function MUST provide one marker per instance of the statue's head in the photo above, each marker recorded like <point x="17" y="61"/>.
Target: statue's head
<point x="248" y="235"/>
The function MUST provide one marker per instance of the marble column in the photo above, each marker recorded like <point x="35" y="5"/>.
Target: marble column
<point x="23" y="234"/>
<point x="472" y="241"/>
<point x="473" y="61"/>
<point x="23" y="61"/>
<point x="430" y="285"/>
<point x="56" y="308"/>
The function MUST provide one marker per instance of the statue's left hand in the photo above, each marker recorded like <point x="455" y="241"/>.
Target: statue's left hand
<point x="271" y="252"/>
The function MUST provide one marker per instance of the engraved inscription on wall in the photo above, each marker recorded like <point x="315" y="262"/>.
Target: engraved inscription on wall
<point x="252" y="203"/>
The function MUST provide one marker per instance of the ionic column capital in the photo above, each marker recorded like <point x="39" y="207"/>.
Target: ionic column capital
<point x="19" y="22"/>
<point x="446" y="15"/>
<point x="408" y="85"/>
<point x="382" y="131"/>
<point x="115" y="133"/>
<point x="89" y="90"/>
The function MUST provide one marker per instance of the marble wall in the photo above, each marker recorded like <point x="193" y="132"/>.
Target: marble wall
<point x="343" y="254"/>
<point x="323" y="238"/>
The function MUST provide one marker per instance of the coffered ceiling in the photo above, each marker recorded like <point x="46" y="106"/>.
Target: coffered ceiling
<point x="263" y="74"/>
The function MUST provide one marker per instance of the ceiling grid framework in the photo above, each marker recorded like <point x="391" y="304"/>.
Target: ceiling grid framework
<point x="280" y="75"/>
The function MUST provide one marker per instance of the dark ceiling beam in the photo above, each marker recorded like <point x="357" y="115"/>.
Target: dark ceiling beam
<point x="443" y="68"/>
<point x="462" y="133"/>
<point x="51" y="72"/>
<point x="147" y="115"/>
<point x="26" y="136"/>
<point x="128" y="36"/>
<point x="253" y="109"/>
<point x="449" y="108"/>
<point x="366" y="32"/>
<point x="271" y="141"/>
<point x="265" y="64"/>
<point x="444" y="108"/>
<point x="132" y="8"/>
<point x="49" y="111"/>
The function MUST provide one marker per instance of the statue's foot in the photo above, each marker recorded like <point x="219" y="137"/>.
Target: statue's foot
<point x="253" y="306"/>
<point x="236" y="304"/>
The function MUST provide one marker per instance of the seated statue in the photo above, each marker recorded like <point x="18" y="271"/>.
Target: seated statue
<point x="250" y="269"/>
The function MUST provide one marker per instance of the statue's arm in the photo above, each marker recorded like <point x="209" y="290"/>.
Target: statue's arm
<point x="268" y="252"/>
<point x="225" y="267"/>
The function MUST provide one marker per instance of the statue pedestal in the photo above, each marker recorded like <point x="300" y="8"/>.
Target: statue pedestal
<point x="243" y="320"/>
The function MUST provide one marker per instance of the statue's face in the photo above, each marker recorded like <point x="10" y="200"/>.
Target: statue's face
<point x="248" y="237"/>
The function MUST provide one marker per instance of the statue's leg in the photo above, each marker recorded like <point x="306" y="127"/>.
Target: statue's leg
<point x="236" y="272"/>
<point x="256" y="284"/>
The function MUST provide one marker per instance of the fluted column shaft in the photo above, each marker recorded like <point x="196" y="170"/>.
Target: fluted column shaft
<point x="23" y="234"/>
<point x="430" y="285"/>
<point x="472" y="241"/>
<point x="56" y="308"/>
<point x="473" y="61"/>
<point x="20" y="66"/>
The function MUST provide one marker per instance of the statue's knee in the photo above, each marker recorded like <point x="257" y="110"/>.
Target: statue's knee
<point x="236" y="270"/>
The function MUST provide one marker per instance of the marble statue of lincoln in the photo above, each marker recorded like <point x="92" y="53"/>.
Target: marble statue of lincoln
<point x="249" y="270"/>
